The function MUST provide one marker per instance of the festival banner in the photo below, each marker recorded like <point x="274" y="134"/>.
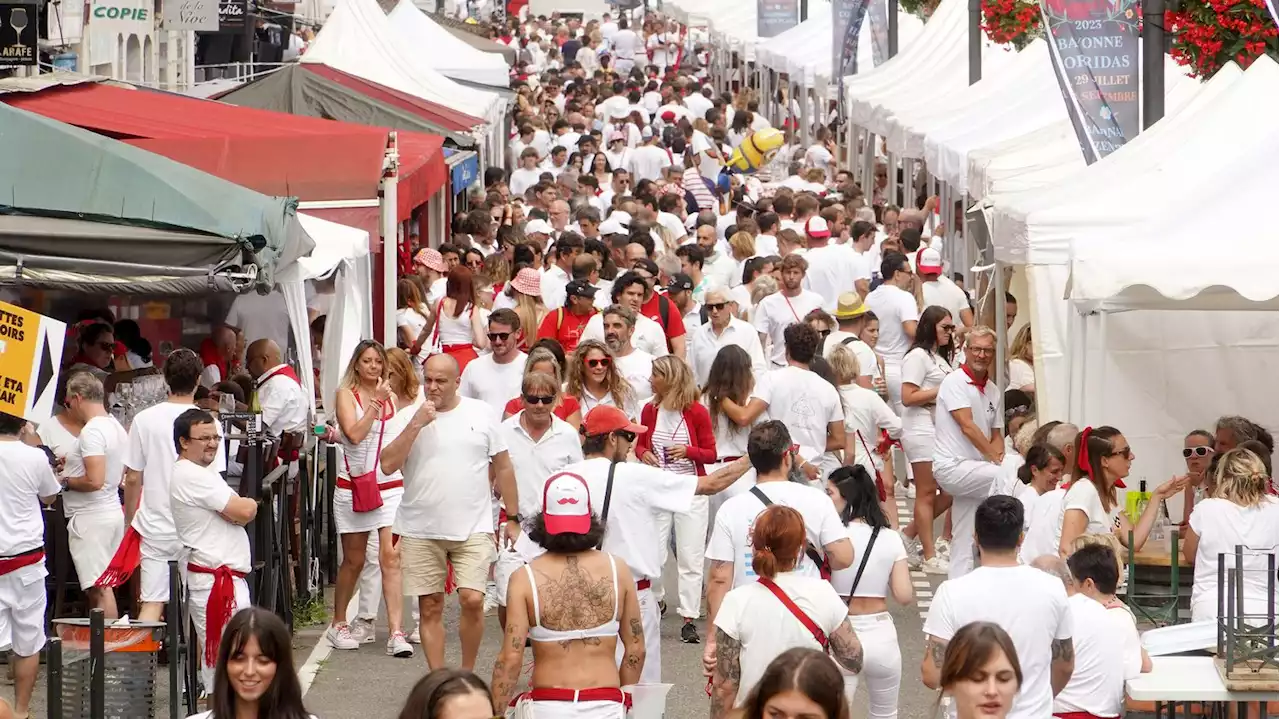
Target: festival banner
<point x="1094" y="46"/>
<point x="878" y="14"/>
<point x="30" y="354"/>
<point x="774" y="17"/>
<point x="847" y="17"/>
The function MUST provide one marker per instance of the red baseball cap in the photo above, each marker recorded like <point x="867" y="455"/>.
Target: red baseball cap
<point x="606" y="419"/>
<point x="929" y="261"/>
<point x="566" y="504"/>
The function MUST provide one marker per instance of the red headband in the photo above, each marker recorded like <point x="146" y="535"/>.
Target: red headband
<point x="1082" y="458"/>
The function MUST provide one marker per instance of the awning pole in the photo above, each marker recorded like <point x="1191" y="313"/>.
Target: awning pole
<point x="390" y="240"/>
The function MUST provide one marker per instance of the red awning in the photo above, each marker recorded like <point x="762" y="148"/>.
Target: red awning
<point x="270" y="152"/>
<point x="440" y="115"/>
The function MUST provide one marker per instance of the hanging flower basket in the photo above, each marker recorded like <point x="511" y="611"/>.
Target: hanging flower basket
<point x="1011" y="22"/>
<point x="1208" y="34"/>
<point x="922" y="9"/>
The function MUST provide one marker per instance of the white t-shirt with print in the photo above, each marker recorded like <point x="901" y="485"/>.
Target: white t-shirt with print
<point x="152" y="453"/>
<point x="1108" y="653"/>
<point x="776" y="312"/>
<point x="925" y="370"/>
<point x="1029" y="604"/>
<point x="893" y="306"/>
<point x="446" y="475"/>
<point x="765" y="628"/>
<point x="731" y="535"/>
<point x="101" y="437"/>
<point x="493" y="383"/>
<point x="887" y="551"/>
<point x="1221" y="525"/>
<point x="803" y="401"/>
<point x="199" y="494"/>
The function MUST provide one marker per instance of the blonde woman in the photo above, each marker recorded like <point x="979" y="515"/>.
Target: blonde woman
<point x="742" y="246"/>
<point x="594" y="379"/>
<point x="365" y="402"/>
<point x="678" y="437"/>
<point x="526" y="292"/>
<point x="866" y="417"/>
<point x="543" y="361"/>
<point x="1240" y="513"/>
<point x="761" y="287"/>
<point x="1022" y="374"/>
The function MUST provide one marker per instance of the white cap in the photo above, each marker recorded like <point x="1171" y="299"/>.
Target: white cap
<point x="538" y="226"/>
<point x="622" y="218"/>
<point x="816" y="227"/>
<point x="566" y="504"/>
<point x="612" y="227"/>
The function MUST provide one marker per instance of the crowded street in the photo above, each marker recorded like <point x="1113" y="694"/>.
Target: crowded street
<point x="602" y="359"/>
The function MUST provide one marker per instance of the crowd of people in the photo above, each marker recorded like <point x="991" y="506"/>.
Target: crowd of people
<point x="624" y="352"/>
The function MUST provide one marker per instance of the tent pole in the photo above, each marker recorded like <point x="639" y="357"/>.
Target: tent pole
<point x="891" y="192"/>
<point x="1002" y="338"/>
<point x="390" y="240"/>
<point x="1102" y="365"/>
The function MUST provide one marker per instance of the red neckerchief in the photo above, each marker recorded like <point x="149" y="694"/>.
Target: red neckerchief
<point x="974" y="380"/>
<point x="283" y="370"/>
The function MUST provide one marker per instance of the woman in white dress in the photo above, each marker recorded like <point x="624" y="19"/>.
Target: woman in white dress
<point x="412" y="320"/>
<point x="880" y="571"/>
<point x="926" y="364"/>
<point x="594" y="379"/>
<point x="365" y="403"/>
<point x="866" y="416"/>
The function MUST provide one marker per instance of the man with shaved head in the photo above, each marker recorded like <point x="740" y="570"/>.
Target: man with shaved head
<point x="447" y="450"/>
<point x="278" y="393"/>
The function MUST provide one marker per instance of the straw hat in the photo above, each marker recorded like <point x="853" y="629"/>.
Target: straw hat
<point x="849" y="305"/>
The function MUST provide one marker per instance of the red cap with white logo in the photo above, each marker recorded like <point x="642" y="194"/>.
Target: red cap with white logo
<point x="566" y="504"/>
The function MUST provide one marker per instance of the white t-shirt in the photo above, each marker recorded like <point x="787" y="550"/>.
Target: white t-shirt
<point x="1082" y="495"/>
<point x="776" y="312"/>
<point x="1021" y="374"/>
<point x="1223" y="524"/>
<point x="731" y="535"/>
<point x="803" y="401"/>
<point x="698" y="105"/>
<point x="765" y="628"/>
<point x="866" y="413"/>
<point x="867" y="364"/>
<point x="534" y="461"/>
<point x="1108" y="653"/>
<point x="819" y="156"/>
<point x="624" y="44"/>
<point x="1044" y="526"/>
<point x="702" y="145"/>
<point x="415" y="320"/>
<point x="957" y="392"/>
<point x="101" y="437"/>
<point x="446" y="475"/>
<point x="522" y="179"/>
<point x="260" y="316"/>
<point x="56" y="437"/>
<point x="636" y="368"/>
<point x="888" y="550"/>
<point x="925" y="370"/>
<point x="893" y="307"/>
<point x="832" y="272"/>
<point x="946" y="294"/>
<point x="152" y="453"/>
<point x="492" y="383"/>
<point x="646" y="163"/>
<point x="1029" y="604"/>
<point x="25" y="479"/>
<point x="648" y="336"/>
<point x="199" y="494"/>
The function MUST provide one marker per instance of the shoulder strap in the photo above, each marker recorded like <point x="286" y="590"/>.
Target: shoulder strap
<point x="760" y="495"/>
<point x="866" y="554"/>
<point x="848" y="341"/>
<point x="810" y="551"/>
<point x="664" y="310"/>
<point x="608" y="495"/>
<point x="559" y="318"/>
<point x="818" y="635"/>
<point x="435" y="333"/>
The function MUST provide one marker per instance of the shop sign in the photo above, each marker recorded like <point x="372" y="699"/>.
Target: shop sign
<point x="30" y="354"/>
<point x="18" y="34"/>
<point x="122" y="16"/>
<point x="197" y="15"/>
<point x="231" y="15"/>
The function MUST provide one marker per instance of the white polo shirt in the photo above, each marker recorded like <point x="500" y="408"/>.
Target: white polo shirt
<point x="283" y="402"/>
<point x="199" y="494"/>
<point x="446" y="475"/>
<point x="535" y="460"/>
<point x="704" y="344"/>
<point x="776" y="312"/>
<point x="152" y="453"/>
<point x="1108" y="653"/>
<point x="492" y="383"/>
<point x="893" y="306"/>
<point x="957" y="391"/>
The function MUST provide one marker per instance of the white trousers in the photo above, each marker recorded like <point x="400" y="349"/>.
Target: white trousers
<point x="691" y="546"/>
<point x="526" y="708"/>
<point x="652" y="622"/>
<point x="881" y="667"/>
<point x="968" y="482"/>
<point x="198" y="588"/>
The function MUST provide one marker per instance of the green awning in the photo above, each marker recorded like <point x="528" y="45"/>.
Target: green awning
<point x="50" y="169"/>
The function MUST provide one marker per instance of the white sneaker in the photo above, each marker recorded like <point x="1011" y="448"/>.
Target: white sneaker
<point x="943" y="547"/>
<point x="340" y="637"/>
<point x="937" y="564"/>
<point x="363" y="630"/>
<point x="415" y="637"/>
<point x="913" y="551"/>
<point x="397" y="646"/>
<point x="911" y="491"/>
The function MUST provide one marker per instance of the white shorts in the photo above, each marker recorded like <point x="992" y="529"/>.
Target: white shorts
<point x="508" y="563"/>
<point x="156" y="555"/>
<point x="349" y="521"/>
<point x="918" y="446"/>
<point x="22" y="605"/>
<point x="525" y="708"/>
<point x="92" y="537"/>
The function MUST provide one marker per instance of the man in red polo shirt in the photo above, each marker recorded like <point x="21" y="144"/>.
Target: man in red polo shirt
<point x="565" y="324"/>
<point x="659" y="308"/>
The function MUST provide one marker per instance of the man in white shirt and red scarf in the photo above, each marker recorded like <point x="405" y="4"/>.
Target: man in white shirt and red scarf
<point x="279" y="396"/>
<point x="26" y="480"/>
<point x="217" y="354"/>
<point x="209" y="518"/>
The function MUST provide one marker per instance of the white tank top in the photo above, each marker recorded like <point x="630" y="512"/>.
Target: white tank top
<point x="455" y="330"/>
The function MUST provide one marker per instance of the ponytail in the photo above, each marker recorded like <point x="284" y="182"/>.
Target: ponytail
<point x="764" y="563"/>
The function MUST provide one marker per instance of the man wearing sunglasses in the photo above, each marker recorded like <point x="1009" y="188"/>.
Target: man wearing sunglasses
<point x="721" y="330"/>
<point x="496" y="377"/>
<point x="632" y="495"/>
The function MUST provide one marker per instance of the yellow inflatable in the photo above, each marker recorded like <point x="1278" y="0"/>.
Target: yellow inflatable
<point x="756" y="151"/>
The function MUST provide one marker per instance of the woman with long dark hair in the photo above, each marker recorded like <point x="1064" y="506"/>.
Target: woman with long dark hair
<point x="460" y="327"/>
<point x="576" y="603"/>
<point x="980" y="672"/>
<point x="923" y="369"/>
<point x="800" y="682"/>
<point x="255" y="676"/>
<point x="881" y="569"/>
<point x="730" y="378"/>
<point x="1103" y="460"/>
<point x="448" y="694"/>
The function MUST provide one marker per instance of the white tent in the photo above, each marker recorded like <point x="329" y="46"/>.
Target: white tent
<point x="359" y="40"/>
<point x="445" y="52"/>
<point x="804" y="51"/>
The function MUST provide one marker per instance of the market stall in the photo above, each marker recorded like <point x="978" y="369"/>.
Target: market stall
<point x="450" y="55"/>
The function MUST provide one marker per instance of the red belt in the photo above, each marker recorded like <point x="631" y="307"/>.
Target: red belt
<point x="730" y="459"/>
<point x="344" y="483"/>
<point x="553" y="694"/>
<point x="18" y="561"/>
<point x="222" y="600"/>
<point x="456" y="348"/>
<point x="1078" y="715"/>
<point x="643" y="584"/>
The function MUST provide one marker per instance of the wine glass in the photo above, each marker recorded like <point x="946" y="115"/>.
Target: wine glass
<point x="18" y="19"/>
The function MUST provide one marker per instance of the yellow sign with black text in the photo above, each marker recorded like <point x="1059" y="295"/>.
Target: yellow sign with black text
<point x="30" y="356"/>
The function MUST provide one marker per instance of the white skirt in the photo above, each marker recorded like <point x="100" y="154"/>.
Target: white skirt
<point x="349" y="521"/>
<point x="918" y="446"/>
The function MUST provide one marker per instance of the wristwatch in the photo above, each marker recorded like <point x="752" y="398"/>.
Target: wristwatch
<point x="514" y="518"/>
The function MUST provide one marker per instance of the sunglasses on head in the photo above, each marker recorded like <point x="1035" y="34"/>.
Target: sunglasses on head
<point x="1187" y="452"/>
<point x="602" y="362"/>
<point x="498" y="336"/>
<point x="536" y="399"/>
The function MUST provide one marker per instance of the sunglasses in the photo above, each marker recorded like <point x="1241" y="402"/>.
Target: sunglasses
<point x="948" y="328"/>
<point x="602" y="362"/>
<point x="1187" y="452"/>
<point x="1126" y="452"/>
<point x="715" y="306"/>
<point x="498" y="336"/>
<point x="105" y="346"/>
<point x="626" y="436"/>
<point x="535" y="399"/>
